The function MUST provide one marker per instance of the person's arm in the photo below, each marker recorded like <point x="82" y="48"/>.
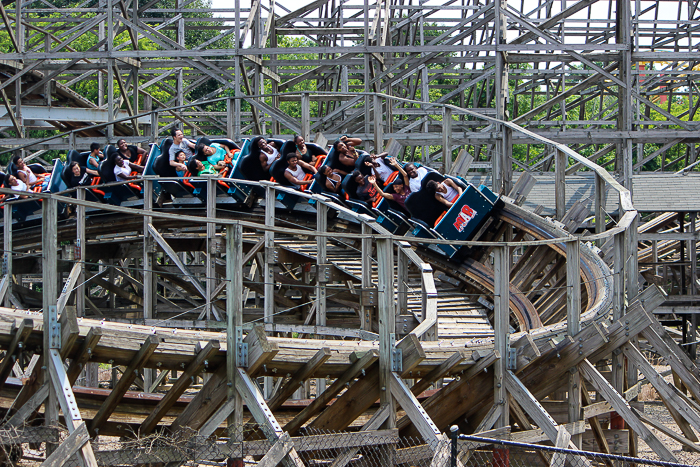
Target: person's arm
<point x="136" y="168"/>
<point x="443" y="200"/>
<point x="140" y="150"/>
<point x="294" y="180"/>
<point x="307" y="166"/>
<point x="392" y="162"/>
<point x="92" y="172"/>
<point x="455" y="186"/>
<point x="22" y="176"/>
<point x="376" y="156"/>
<point x="190" y="143"/>
<point x="381" y="192"/>
<point x="353" y="141"/>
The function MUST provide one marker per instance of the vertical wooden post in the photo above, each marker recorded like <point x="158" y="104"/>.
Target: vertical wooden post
<point x="49" y="272"/>
<point x="378" y="125"/>
<point x="501" y="313"/>
<point x="619" y="258"/>
<point x="269" y="269"/>
<point x="447" y="139"/>
<point x="365" y="307"/>
<point x="210" y="270"/>
<point x="305" y="116"/>
<point x="322" y="271"/>
<point x="387" y="323"/>
<point x="149" y="277"/>
<point x="230" y="116"/>
<point x="154" y="126"/>
<point x="321" y="266"/>
<point x="110" y="70"/>
<point x="7" y="255"/>
<point x="573" y="326"/>
<point x="560" y="183"/>
<point x="80" y="253"/>
<point x="234" y="323"/>
<point x="692" y="254"/>
<point x="402" y="272"/>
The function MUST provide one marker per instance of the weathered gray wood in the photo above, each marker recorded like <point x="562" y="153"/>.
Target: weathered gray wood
<point x="19" y="335"/>
<point x="277" y="452"/>
<point x="359" y="365"/>
<point x="183" y="382"/>
<point x="299" y="377"/>
<point x="68" y="447"/>
<point x="415" y="412"/>
<point x="438" y="372"/>
<point x="501" y="313"/>
<point x="110" y="403"/>
<point x="622" y="407"/>
<point x="84" y="354"/>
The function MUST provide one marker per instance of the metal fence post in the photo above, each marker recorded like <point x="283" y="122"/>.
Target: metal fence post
<point x="454" y="434"/>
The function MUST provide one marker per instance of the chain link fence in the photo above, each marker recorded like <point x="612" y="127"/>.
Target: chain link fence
<point x="380" y="448"/>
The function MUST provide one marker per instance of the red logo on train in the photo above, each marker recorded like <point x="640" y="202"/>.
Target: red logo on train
<point x="463" y="218"/>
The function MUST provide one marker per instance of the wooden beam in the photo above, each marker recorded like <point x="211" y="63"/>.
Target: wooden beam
<point x="183" y="382"/>
<point x="301" y="375"/>
<point x="438" y="372"/>
<point x="19" y="335"/>
<point x="260" y="350"/>
<point x="595" y="424"/>
<point x="415" y="412"/>
<point x="70" y="331"/>
<point x="255" y="402"/>
<point x="666" y="391"/>
<point x="359" y="365"/>
<point x="84" y="354"/>
<point x="622" y="407"/>
<point x="108" y="406"/>
<point x="68" y="448"/>
<point x="188" y="276"/>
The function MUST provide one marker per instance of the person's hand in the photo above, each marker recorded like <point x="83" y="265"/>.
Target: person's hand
<point x="343" y="138"/>
<point x="278" y="156"/>
<point x="393" y="161"/>
<point x="372" y="179"/>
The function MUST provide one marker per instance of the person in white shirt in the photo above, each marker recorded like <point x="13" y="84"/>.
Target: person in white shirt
<point x="447" y="191"/>
<point x="180" y="143"/>
<point x="123" y="169"/>
<point x="416" y="176"/>
<point x="14" y="183"/>
<point x="295" y="171"/>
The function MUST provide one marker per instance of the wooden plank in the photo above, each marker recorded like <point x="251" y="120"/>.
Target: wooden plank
<point x="260" y="349"/>
<point x="681" y="364"/>
<point x="68" y="287"/>
<point x="682" y="413"/>
<point x="68" y="448"/>
<point x="415" y="412"/>
<point x="595" y="423"/>
<point x="375" y="421"/>
<point x="19" y="335"/>
<point x="359" y="365"/>
<point x="277" y="452"/>
<point x="204" y="404"/>
<point x="255" y="402"/>
<point x="70" y="331"/>
<point x="29" y="407"/>
<point x="668" y="432"/>
<point x="110" y="403"/>
<point x="301" y="375"/>
<point x="626" y="412"/>
<point x="84" y="354"/>
<point x="531" y="405"/>
<point x="183" y="382"/>
<point x="438" y="372"/>
<point x="562" y="441"/>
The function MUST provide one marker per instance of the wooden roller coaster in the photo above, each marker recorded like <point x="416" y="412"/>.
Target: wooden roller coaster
<point x="392" y="333"/>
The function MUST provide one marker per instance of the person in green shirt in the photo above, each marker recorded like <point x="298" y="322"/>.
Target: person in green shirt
<point x="197" y="167"/>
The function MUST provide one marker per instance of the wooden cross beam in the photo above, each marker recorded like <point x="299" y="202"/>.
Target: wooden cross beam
<point x="110" y="403"/>
<point x="622" y="407"/>
<point x="301" y="375"/>
<point x="19" y="334"/>
<point x="180" y="386"/>
<point x="359" y="365"/>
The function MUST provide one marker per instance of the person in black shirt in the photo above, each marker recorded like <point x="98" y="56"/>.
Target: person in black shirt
<point x="78" y="175"/>
<point x="129" y="152"/>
